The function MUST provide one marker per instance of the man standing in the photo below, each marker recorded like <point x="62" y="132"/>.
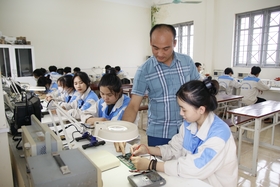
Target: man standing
<point x="160" y="77"/>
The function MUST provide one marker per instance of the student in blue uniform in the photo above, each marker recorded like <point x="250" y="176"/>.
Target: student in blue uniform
<point x="65" y="91"/>
<point x="204" y="148"/>
<point x="83" y="103"/>
<point x="228" y="82"/>
<point x="252" y="87"/>
<point x="113" y="102"/>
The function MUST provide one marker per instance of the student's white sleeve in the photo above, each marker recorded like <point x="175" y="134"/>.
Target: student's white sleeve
<point x="262" y="86"/>
<point x="188" y="165"/>
<point x="89" y="112"/>
<point x="235" y="84"/>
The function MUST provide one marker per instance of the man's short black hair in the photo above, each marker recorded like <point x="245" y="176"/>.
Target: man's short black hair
<point x="76" y="69"/>
<point x="52" y="68"/>
<point x="163" y="26"/>
<point x="197" y="64"/>
<point x="118" y="68"/>
<point x="255" y="70"/>
<point x="67" y="70"/>
<point x="228" y="71"/>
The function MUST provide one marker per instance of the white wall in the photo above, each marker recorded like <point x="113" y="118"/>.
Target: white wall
<point x="84" y="33"/>
<point x="214" y="30"/>
<point x="95" y="33"/>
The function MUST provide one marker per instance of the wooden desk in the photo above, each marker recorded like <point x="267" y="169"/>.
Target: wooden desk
<point x="259" y="112"/>
<point x="224" y="99"/>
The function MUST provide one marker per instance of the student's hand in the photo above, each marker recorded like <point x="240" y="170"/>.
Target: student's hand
<point x="140" y="163"/>
<point x="53" y="112"/>
<point x="120" y="147"/>
<point x="137" y="149"/>
<point x="48" y="98"/>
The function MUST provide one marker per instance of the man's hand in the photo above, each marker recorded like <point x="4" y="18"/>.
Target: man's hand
<point x="120" y="147"/>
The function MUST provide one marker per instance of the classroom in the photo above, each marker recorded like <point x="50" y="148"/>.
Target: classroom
<point x="90" y="34"/>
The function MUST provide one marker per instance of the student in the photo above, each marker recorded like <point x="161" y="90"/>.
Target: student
<point x="199" y="68"/>
<point x="204" y="148"/>
<point x="37" y="73"/>
<point x="76" y="70"/>
<point x="113" y="102"/>
<point x="252" y="86"/>
<point x="120" y="73"/>
<point x="160" y="77"/>
<point x="228" y="82"/>
<point x="66" y="91"/>
<point x="46" y="82"/>
<point x="68" y="71"/>
<point x="84" y="105"/>
<point x="107" y="67"/>
<point x="60" y="71"/>
<point x="53" y="76"/>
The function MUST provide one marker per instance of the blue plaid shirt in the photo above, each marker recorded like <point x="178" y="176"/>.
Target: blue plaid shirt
<point x="162" y="82"/>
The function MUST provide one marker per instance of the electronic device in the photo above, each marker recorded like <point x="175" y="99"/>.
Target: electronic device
<point x="242" y="75"/>
<point x="30" y="104"/>
<point x="34" y="139"/>
<point x="218" y="72"/>
<point x="125" y="159"/>
<point x="82" y="172"/>
<point x="147" y="178"/>
<point x="7" y="101"/>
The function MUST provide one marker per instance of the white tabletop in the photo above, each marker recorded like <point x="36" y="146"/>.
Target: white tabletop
<point x="118" y="176"/>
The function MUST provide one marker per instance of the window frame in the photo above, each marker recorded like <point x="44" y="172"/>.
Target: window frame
<point x="264" y="37"/>
<point x="179" y="37"/>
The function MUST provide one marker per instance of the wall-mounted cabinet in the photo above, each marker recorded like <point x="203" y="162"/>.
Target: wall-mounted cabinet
<point x="17" y="60"/>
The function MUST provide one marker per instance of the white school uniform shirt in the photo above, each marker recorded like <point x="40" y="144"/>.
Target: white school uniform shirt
<point x="87" y="109"/>
<point x="208" y="154"/>
<point x="250" y="88"/>
<point x="228" y="83"/>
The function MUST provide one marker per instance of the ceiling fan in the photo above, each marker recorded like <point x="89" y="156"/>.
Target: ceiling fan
<point x="179" y="1"/>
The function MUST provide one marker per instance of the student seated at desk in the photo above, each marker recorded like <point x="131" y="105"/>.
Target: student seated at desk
<point x="83" y="105"/>
<point x="204" y="148"/>
<point x="42" y="81"/>
<point x="113" y="102"/>
<point x="252" y="86"/>
<point x="228" y="82"/>
<point x="66" y="91"/>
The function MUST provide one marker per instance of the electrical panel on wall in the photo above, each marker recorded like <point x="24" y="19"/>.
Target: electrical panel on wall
<point x="242" y="75"/>
<point x="217" y="72"/>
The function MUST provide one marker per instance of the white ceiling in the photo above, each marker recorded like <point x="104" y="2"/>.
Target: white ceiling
<point x="141" y="3"/>
<point x="144" y="3"/>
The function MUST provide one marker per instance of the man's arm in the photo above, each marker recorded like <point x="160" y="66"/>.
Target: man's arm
<point x="131" y="110"/>
<point x="129" y="114"/>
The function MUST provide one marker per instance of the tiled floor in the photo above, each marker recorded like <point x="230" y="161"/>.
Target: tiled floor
<point x="268" y="171"/>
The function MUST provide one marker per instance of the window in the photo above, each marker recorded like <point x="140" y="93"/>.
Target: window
<point x="257" y="38"/>
<point x="184" y="38"/>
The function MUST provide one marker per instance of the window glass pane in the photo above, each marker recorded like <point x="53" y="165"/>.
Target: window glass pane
<point x="257" y="36"/>
<point x="184" y="37"/>
<point x="184" y="30"/>
<point x="185" y="45"/>
<point x="5" y="62"/>
<point x="191" y="46"/>
<point x="274" y="18"/>
<point x="258" y="20"/>
<point x="244" y="24"/>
